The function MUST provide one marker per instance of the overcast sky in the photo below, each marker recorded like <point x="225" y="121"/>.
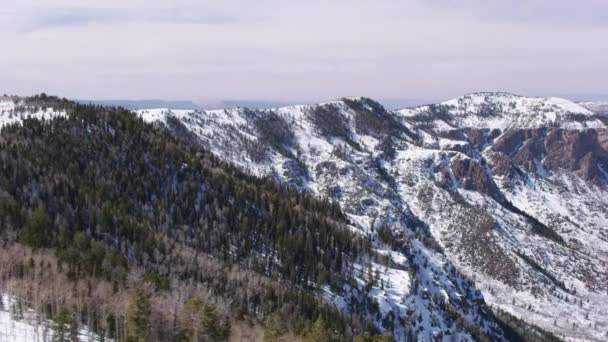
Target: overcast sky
<point x="289" y="50"/>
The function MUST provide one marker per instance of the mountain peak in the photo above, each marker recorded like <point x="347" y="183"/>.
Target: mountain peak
<point x="500" y="110"/>
<point x="491" y="94"/>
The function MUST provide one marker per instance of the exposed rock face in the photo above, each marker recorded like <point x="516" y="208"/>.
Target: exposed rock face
<point x="480" y="138"/>
<point x="473" y="176"/>
<point x="540" y="150"/>
<point x="502" y="165"/>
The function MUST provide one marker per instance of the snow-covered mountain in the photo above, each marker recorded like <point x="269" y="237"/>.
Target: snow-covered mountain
<point x="504" y="190"/>
<point x="598" y="107"/>
<point x="503" y="111"/>
<point x="488" y="204"/>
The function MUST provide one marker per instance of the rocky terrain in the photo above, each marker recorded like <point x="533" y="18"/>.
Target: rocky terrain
<point x="507" y="192"/>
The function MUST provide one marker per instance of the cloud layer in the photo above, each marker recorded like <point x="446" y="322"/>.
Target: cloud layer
<point x="286" y="50"/>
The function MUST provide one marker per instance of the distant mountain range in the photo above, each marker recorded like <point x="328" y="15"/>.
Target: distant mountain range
<point x="220" y="104"/>
<point x="144" y="104"/>
<point x="185" y="104"/>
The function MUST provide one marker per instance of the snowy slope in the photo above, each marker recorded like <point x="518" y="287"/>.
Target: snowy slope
<point x="12" y="112"/>
<point x="351" y="170"/>
<point x="504" y="111"/>
<point x="417" y="192"/>
<point x="475" y="215"/>
<point x="485" y="241"/>
<point x="598" y="107"/>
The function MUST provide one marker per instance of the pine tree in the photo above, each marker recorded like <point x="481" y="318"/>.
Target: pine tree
<point x="200" y="322"/>
<point x="274" y="329"/>
<point x="36" y="230"/>
<point x="60" y="332"/>
<point x="319" y="332"/>
<point x="138" y="314"/>
<point x="211" y="324"/>
<point x="74" y="329"/>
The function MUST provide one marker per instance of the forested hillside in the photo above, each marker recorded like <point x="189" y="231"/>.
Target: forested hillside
<point x="337" y="221"/>
<point x="113" y="223"/>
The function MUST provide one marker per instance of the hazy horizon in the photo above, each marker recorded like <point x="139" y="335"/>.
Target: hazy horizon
<point x="143" y="103"/>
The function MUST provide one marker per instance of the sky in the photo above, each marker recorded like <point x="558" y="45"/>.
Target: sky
<point x="295" y="50"/>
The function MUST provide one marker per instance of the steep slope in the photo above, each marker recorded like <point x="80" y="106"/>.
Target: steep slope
<point x="491" y="198"/>
<point x="124" y="205"/>
<point x="114" y="224"/>
<point x="548" y="179"/>
<point x="506" y="190"/>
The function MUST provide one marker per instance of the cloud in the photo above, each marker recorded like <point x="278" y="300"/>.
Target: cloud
<point x="532" y="12"/>
<point x="78" y="16"/>
<point x="66" y="18"/>
<point x="287" y="50"/>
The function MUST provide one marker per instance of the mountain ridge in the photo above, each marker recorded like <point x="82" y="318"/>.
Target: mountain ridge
<point x="499" y="172"/>
<point x="505" y="214"/>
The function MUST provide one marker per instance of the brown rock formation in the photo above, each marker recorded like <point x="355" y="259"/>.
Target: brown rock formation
<point x="472" y="176"/>
<point x="580" y="151"/>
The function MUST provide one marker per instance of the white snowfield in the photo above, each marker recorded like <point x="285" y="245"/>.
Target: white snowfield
<point x="489" y="253"/>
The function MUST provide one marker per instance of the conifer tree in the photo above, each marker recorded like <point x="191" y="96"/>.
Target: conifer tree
<point x="138" y="314"/>
<point x="319" y="332"/>
<point x="36" y="230"/>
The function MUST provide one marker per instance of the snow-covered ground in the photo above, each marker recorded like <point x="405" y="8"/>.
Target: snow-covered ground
<point x="503" y="111"/>
<point x="352" y="179"/>
<point x="11" y="112"/>
<point x="21" y="324"/>
<point x="576" y="211"/>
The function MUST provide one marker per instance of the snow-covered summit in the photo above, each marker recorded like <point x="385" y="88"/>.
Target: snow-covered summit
<point x="15" y="110"/>
<point x="503" y="111"/>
